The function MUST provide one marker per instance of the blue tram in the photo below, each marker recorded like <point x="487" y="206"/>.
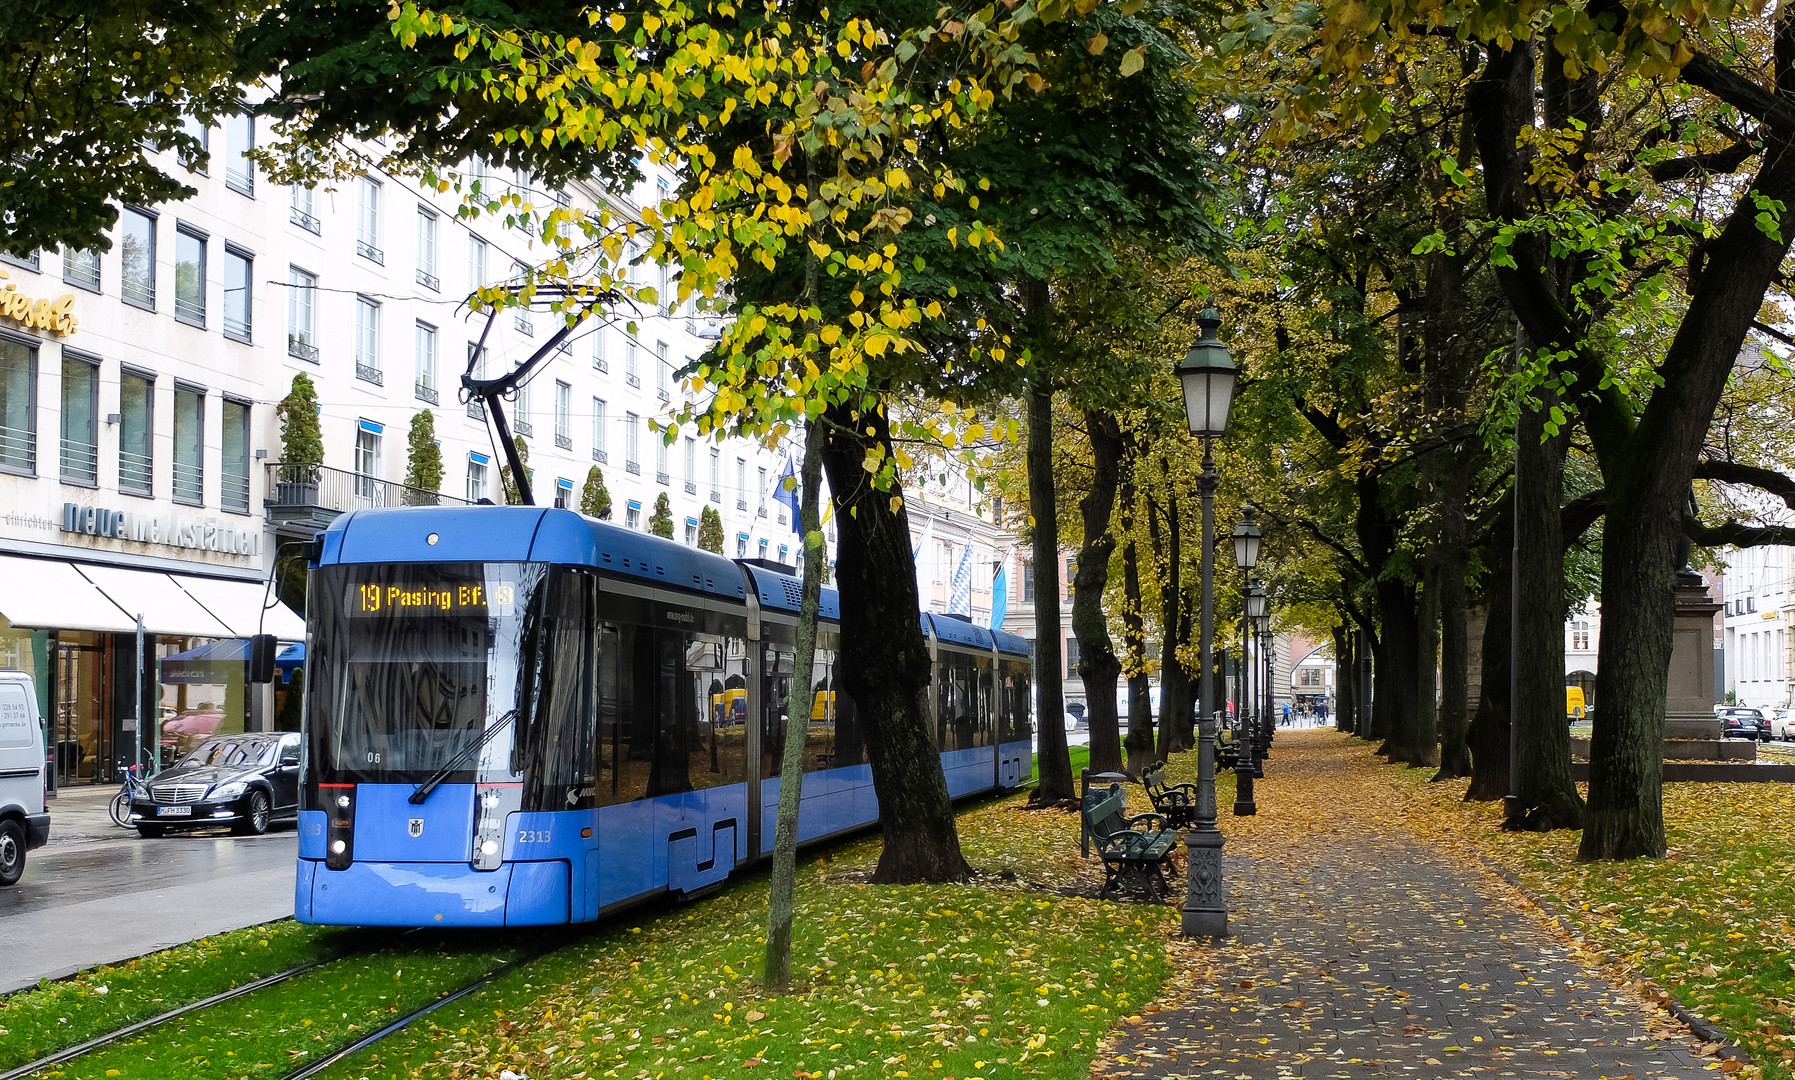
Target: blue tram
<point x="523" y="716"/>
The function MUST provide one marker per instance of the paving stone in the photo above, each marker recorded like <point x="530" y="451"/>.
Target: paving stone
<point x="1362" y="951"/>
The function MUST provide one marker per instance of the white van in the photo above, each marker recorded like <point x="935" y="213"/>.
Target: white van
<point x="24" y="823"/>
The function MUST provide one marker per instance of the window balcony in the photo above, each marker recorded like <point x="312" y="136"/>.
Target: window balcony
<point x="524" y="428"/>
<point x="633" y="379"/>
<point x="476" y="410"/>
<point x="760" y="512"/>
<point x="305" y="221"/>
<point x="425" y="392"/>
<point x="691" y="488"/>
<point x="563" y="442"/>
<point x="241" y="178"/>
<point x="303" y="498"/>
<point x="633" y="468"/>
<point x="717" y="497"/>
<point x="663" y="479"/>
<point x="741" y="504"/>
<point x="369" y="373"/>
<point x="300" y="345"/>
<point x="370" y="252"/>
<point x="237" y="329"/>
<point x="600" y="456"/>
<point x="429" y="281"/>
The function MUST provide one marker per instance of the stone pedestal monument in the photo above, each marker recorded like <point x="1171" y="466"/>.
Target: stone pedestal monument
<point x="1689" y="696"/>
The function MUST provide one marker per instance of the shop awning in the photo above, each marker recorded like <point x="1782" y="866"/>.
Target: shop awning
<point x="165" y="606"/>
<point x="239" y="605"/>
<point x="49" y="595"/>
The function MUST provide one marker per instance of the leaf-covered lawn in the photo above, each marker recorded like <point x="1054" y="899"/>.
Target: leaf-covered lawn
<point x="1713" y="922"/>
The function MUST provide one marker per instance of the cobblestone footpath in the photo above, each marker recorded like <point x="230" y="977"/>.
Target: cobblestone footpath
<point x="1358" y="950"/>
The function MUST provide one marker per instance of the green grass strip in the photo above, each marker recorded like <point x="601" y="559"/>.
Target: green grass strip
<point x="273" y="1030"/>
<point x="52" y="1016"/>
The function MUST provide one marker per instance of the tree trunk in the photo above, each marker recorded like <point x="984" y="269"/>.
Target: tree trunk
<point x="1345" y="665"/>
<point x="1174" y="682"/>
<point x="885" y="658"/>
<point x="1098" y="665"/>
<point x="1397" y="653"/>
<point x="1424" y="732"/>
<point x="1139" y="743"/>
<point x="1489" y="727"/>
<point x="1054" y="763"/>
<point x="1455" y="749"/>
<point x="1548" y="795"/>
<point x="783" y="878"/>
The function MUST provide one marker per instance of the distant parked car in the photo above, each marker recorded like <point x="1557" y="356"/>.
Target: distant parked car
<point x="244" y="781"/>
<point x="1782" y="723"/>
<point x="24" y="823"/>
<point x="1742" y="722"/>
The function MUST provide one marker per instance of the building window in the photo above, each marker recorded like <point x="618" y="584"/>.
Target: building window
<point x="598" y="431"/>
<point x="367" y="462"/>
<point x="630" y="375"/>
<point x="761" y="505"/>
<point x="631" y="463"/>
<point x="563" y="416"/>
<point x="521" y="317"/>
<point x="367" y="221"/>
<point x="1071" y="572"/>
<point x="741" y="483"/>
<point x="423" y="383"/>
<point x="476" y="363"/>
<point x="136" y="432"/>
<point x="304" y="212"/>
<point x="302" y="340"/>
<point x="476" y="263"/>
<point x="660" y="460"/>
<point x="81" y="268"/>
<point x="233" y="459"/>
<point x="18" y="407"/>
<point x="476" y="477"/>
<point x="1580" y="636"/>
<point x="522" y="424"/>
<point x="632" y="515"/>
<point x="763" y="549"/>
<point x="599" y="361"/>
<point x="716" y="475"/>
<point x="741" y="546"/>
<point x="1028" y="581"/>
<point x="691" y="466"/>
<point x="80" y="420"/>
<point x="195" y="160"/>
<point x="691" y="532"/>
<point x="190" y="445"/>
<point x="427" y="250"/>
<point x="137" y="255"/>
<point x="663" y="388"/>
<point x="239" y="274"/>
<point x="367" y="340"/>
<point x="240" y="139"/>
<point x="190" y="277"/>
<point x="563" y="494"/>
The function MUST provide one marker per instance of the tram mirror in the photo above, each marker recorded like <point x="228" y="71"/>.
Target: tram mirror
<point x="261" y="658"/>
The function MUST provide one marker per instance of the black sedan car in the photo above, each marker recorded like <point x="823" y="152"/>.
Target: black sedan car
<point x="244" y="781"/>
<point x="1741" y="722"/>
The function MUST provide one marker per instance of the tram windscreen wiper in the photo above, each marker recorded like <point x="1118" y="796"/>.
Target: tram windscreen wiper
<point x="424" y="789"/>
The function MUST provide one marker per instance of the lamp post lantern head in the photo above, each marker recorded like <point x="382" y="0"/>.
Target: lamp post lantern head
<point x="1207" y="374"/>
<point x="1262" y="622"/>
<point x="1256" y="606"/>
<point x="1246" y="540"/>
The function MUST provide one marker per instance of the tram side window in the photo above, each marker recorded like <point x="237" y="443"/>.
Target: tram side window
<point x="954" y="713"/>
<point x="819" y="738"/>
<point x="775" y="686"/>
<point x="555" y="741"/>
<point x="658" y="734"/>
<point x="1013" y="725"/>
<point x="716" y="747"/>
<point x="624" y="750"/>
<point x="981" y="694"/>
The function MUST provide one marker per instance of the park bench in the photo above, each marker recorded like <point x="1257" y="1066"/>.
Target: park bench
<point x="1227" y="750"/>
<point x="1177" y="803"/>
<point x="1136" y="848"/>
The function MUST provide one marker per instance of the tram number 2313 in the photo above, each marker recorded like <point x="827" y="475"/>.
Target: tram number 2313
<point x="532" y="836"/>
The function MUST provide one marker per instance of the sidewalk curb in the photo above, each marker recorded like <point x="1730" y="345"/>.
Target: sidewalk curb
<point x="1700" y="1025"/>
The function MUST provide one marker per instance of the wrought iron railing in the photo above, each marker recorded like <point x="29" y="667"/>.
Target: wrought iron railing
<point x="662" y="478"/>
<point x="300" y="345"/>
<point x="691" y="488"/>
<point x="305" y="221"/>
<point x="600" y="456"/>
<point x="237" y="328"/>
<point x="240" y="177"/>
<point x="476" y="410"/>
<point x="429" y="281"/>
<point x="138" y="292"/>
<point x="524" y="427"/>
<point x="233" y="490"/>
<point x="135" y="472"/>
<point x="191" y="310"/>
<point x="189" y="483"/>
<point x="634" y="468"/>
<point x="370" y="252"/>
<point x="82" y="269"/>
<point x="319" y="487"/>
<point x="369" y="373"/>
<point x="425" y="392"/>
<point x="564" y="442"/>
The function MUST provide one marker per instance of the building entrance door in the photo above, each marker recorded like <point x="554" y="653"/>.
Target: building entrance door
<point x="83" y="738"/>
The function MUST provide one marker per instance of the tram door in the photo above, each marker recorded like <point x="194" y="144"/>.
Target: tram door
<point x="82" y="741"/>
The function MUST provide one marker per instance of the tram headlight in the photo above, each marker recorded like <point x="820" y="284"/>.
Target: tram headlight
<point x="339" y="847"/>
<point x="490" y="847"/>
<point x="343" y="802"/>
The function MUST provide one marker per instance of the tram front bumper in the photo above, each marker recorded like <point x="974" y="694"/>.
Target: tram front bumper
<point x="431" y="894"/>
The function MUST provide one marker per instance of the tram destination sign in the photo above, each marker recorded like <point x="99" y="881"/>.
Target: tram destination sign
<point x="406" y="600"/>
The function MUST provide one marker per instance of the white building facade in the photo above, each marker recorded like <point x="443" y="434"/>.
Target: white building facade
<point x="1758" y="608"/>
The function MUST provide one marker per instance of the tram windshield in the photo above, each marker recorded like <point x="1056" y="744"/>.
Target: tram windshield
<point x="412" y="663"/>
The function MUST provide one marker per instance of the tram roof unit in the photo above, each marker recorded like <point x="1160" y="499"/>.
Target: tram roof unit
<point x="957" y="631"/>
<point x="525" y="534"/>
<point x="1010" y="644"/>
<point x="784" y="592"/>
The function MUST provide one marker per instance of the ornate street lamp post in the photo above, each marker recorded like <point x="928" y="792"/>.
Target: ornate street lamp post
<point x="1246" y="539"/>
<point x="1262" y="624"/>
<point x="1256" y="618"/>
<point x="1207" y="377"/>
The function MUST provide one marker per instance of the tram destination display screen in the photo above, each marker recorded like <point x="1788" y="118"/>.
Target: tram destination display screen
<point x="390" y="599"/>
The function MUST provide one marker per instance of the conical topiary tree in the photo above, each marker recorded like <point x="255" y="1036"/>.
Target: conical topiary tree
<point x="710" y="531"/>
<point x="301" y="436"/>
<point x="595" y="498"/>
<point x="423" y="461"/>
<point x="661" y="523"/>
<point x="513" y="496"/>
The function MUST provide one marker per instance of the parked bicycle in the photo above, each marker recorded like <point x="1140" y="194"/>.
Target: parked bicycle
<point x="119" y="810"/>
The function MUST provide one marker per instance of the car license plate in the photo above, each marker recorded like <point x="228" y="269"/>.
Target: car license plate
<point x="174" y="811"/>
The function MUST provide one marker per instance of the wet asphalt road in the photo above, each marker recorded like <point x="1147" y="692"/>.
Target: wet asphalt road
<point x="98" y="895"/>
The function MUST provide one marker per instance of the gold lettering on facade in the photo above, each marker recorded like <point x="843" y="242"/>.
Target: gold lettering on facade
<point x="57" y="316"/>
